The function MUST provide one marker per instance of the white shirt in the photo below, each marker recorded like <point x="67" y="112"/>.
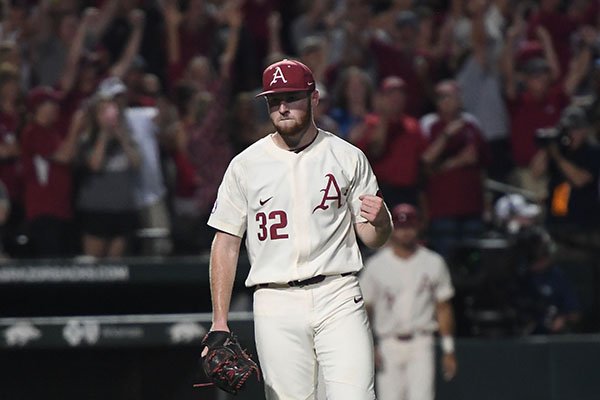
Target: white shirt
<point x="298" y="209"/>
<point x="149" y="184"/>
<point x="404" y="292"/>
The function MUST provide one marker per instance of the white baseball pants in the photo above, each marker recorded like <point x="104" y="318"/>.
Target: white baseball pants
<point x="408" y="369"/>
<point x="295" y="327"/>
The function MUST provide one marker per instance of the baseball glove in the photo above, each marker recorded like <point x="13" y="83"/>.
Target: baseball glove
<point x="225" y="363"/>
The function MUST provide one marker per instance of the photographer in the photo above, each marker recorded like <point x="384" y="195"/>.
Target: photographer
<point x="572" y="163"/>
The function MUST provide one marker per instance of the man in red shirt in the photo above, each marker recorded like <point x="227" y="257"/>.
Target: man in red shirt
<point x="46" y="154"/>
<point x="454" y="161"/>
<point x="393" y="142"/>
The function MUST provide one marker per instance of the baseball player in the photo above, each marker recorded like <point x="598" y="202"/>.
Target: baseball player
<point x="407" y="291"/>
<point x="302" y="196"/>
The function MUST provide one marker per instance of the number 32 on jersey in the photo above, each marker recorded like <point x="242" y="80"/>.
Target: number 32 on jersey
<point x="271" y="226"/>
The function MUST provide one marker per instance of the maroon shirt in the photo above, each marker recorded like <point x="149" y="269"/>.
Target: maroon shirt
<point x="393" y="61"/>
<point x="256" y="16"/>
<point x="53" y="198"/>
<point x="399" y="164"/>
<point x="560" y="27"/>
<point x="527" y="115"/>
<point x="199" y="41"/>
<point x="457" y="192"/>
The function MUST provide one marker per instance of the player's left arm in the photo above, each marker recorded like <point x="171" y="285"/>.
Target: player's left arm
<point x="378" y="226"/>
<point x="445" y="318"/>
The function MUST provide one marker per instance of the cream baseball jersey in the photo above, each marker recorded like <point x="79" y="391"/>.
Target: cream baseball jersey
<point x="404" y="292"/>
<point x="297" y="209"/>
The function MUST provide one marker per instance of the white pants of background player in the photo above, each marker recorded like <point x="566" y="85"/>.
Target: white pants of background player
<point x="327" y="321"/>
<point x="408" y="369"/>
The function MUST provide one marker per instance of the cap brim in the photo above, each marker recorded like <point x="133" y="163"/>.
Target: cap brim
<point x="286" y="90"/>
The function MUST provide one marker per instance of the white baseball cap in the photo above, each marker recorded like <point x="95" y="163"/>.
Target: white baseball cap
<point x="111" y="87"/>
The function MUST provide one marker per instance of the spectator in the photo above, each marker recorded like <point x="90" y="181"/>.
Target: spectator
<point x="4" y="217"/>
<point x="84" y="70"/>
<point x="202" y="152"/>
<point x="60" y="35"/>
<point x="345" y="41"/>
<point x="393" y="142"/>
<point x="313" y="53"/>
<point x="105" y="198"/>
<point x="560" y="27"/>
<point x="197" y="30"/>
<point x="573" y="165"/>
<point x="47" y="153"/>
<point x="248" y="121"/>
<point x="188" y="40"/>
<point x="11" y="123"/>
<point x="546" y="302"/>
<point x="455" y="161"/>
<point x="10" y="53"/>
<point x="255" y="16"/>
<point x="396" y="54"/>
<point x="352" y="100"/>
<point x="14" y="20"/>
<point x="149" y="187"/>
<point x="321" y="112"/>
<point x="481" y="86"/>
<point x="51" y="45"/>
<point x="202" y="148"/>
<point x="537" y="106"/>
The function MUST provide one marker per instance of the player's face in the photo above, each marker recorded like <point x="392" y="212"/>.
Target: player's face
<point x="405" y="236"/>
<point x="291" y="112"/>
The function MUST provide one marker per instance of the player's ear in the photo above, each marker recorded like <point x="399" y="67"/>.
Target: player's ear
<point x="314" y="97"/>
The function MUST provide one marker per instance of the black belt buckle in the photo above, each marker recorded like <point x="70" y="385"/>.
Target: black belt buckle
<point x="309" y="281"/>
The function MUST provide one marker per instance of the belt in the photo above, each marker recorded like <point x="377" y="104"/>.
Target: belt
<point x="300" y="283"/>
<point x="411" y="336"/>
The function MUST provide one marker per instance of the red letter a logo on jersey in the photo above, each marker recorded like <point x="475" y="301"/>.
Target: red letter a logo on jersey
<point x="332" y="186"/>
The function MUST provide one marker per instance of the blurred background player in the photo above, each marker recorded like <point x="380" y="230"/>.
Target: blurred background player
<point x="407" y="290"/>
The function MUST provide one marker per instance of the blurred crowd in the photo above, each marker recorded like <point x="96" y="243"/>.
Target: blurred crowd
<point x="118" y="118"/>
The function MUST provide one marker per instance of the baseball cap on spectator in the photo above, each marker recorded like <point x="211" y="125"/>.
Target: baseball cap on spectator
<point x="391" y="83"/>
<point x="527" y="51"/>
<point x="446" y="87"/>
<point x="287" y="76"/>
<point x="42" y="94"/>
<point x="537" y="65"/>
<point x="111" y="87"/>
<point x="407" y="18"/>
<point x="405" y="215"/>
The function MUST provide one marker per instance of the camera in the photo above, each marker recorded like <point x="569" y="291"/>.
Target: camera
<point x="572" y="117"/>
<point x="557" y="134"/>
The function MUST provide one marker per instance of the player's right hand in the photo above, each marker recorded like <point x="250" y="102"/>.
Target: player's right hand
<point x="449" y="366"/>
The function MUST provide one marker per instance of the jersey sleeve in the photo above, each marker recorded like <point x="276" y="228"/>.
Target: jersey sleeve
<point x="364" y="182"/>
<point x="229" y="213"/>
<point x="443" y="289"/>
